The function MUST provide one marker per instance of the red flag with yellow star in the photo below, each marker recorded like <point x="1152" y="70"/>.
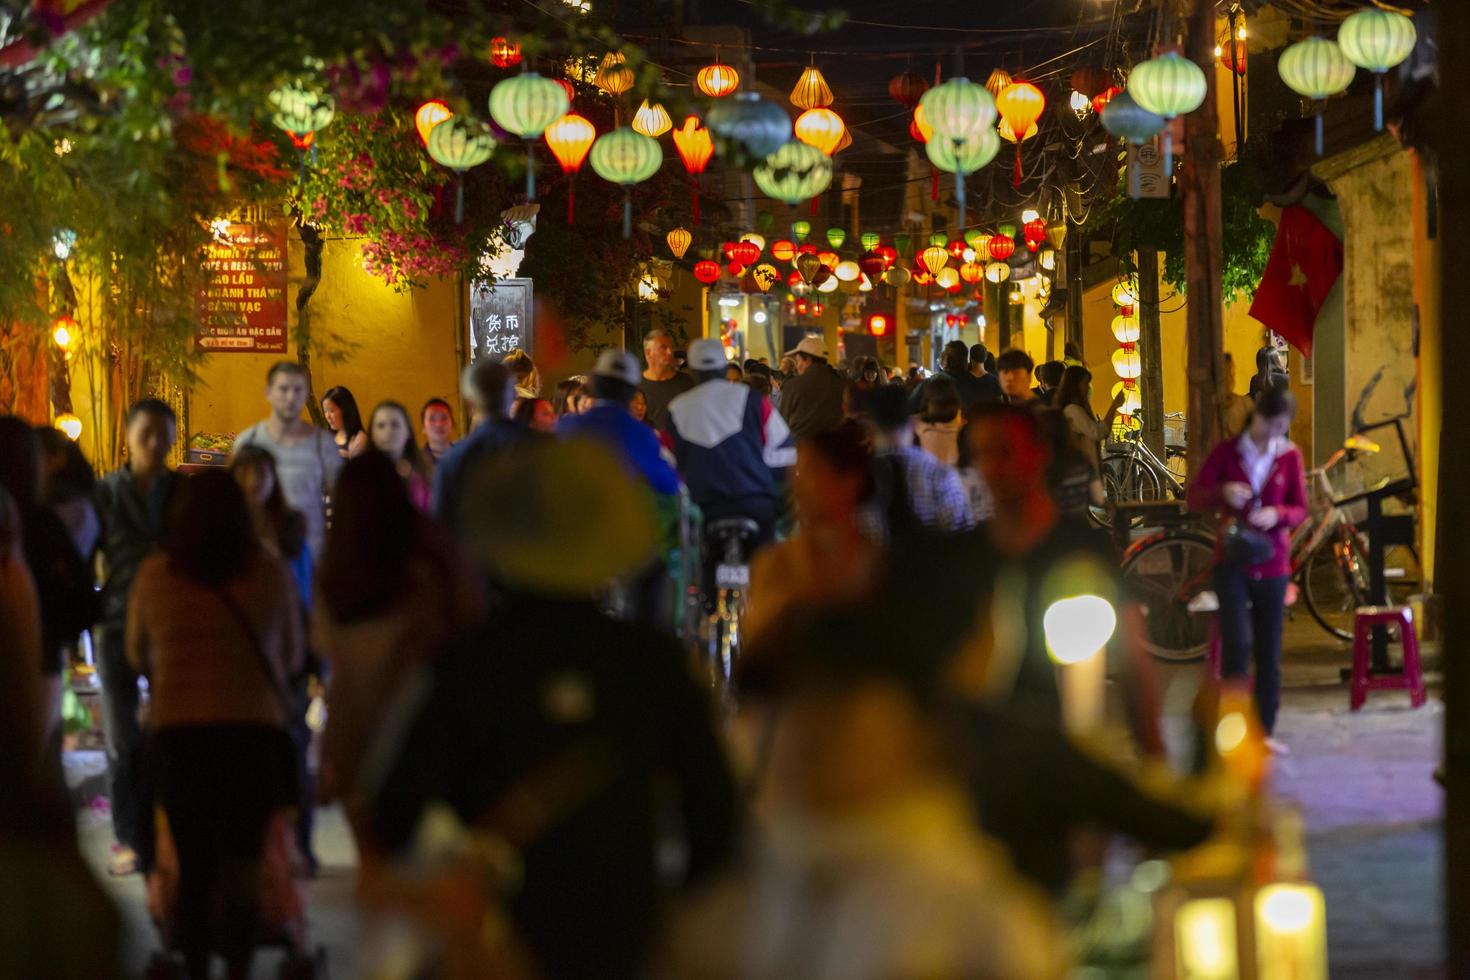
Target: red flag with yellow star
<point x="1304" y="265"/>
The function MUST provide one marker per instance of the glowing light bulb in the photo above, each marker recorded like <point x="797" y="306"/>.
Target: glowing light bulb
<point x="1078" y="628"/>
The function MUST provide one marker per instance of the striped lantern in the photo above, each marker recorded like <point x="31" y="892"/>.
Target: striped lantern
<point x="959" y="111"/>
<point x="795" y="172"/>
<point x="1168" y="86"/>
<point x="1377" y="40"/>
<point x="1126" y="119"/>
<point x="570" y="139"/>
<point x="525" y="105"/>
<point x="811" y="90"/>
<point x="1315" y="69"/>
<point x="626" y="157"/>
<point x="459" y="144"/>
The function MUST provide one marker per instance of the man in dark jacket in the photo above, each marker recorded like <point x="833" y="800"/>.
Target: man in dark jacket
<point x="131" y="504"/>
<point x="954" y="364"/>
<point x="811" y="402"/>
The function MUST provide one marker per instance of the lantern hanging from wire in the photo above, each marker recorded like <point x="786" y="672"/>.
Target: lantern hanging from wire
<point x="652" y="120"/>
<point x="997" y="272"/>
<point x="843" y="143"/>
<point x="706" y="271"/>
<point x="1125" y="329"/>
<point x="1377" y="40"/>
<point x="504" y="53"/>
<point x="1002" y="247"/>
<point x="836" y="236"/>
<point x="613" y="75"/>
<point x="998" y="82"/>
<point x="800" y="228"/>
<point x="821" y="128"/>
<point x="759" y="126"/>
<point x="811" y="90"/>
<point x="873" y="264"/>
<point x="947" y="278"/>
<point x="717" y="80"/>
<point x="1035" y="233"/>
<point x="765" y="276"/>
<point x="907" y="89"/>
<point x="1125" y="294"/>
<point x="796" y="172"/>
<point x="460" y="144"/>
<point x="934" y="258"/>
<point x="1080" y="104"/>
<point x="301" y="112"/>
<point x="1020" y="105"/>
<point x="1131" y="122"/>
<point x="960" y="112"/>
<point x="429" y="115"/>
<point x="695" y="146"/>
<point x="626" y="157"/>
<point x="829" y="259"/>
<point x="679" y="240"/>
<point x="972" y="272"/>
<point x="570" y="139"/>
<point x="847" y="271"/>
<point x="869" y="240"/>
<point x="783" y="250"/>
<point x="745" y="252"/>
<point x="525" y="105"/>
<point x="1169" y="86"/>
<point x="1315" y="68"/>
<point x="897" y="276"/>
<point x="756" y="239"/>
<point x="1232" y="55"/>
<point x="963" y="156"/>
<point x="809" y="266"/>
<point x="1126" y="363"/>
<point x="957" y="248"/>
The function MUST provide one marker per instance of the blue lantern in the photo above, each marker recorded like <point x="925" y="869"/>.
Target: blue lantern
<point x="760" y="126"/>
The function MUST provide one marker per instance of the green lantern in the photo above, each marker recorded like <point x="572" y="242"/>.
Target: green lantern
<point x="1315" y="68"/>
<point x="1377" y="40"/>
<point x="800" y="229"/>
<point x="870" y="240"/>
<point x="301" y="111"/>
<point x="939" y="238"/>
<point x="904" y="243"/>
<point x="958" y="108"/>
<point x="627" y="157"/>
<point x="765" y="220"/>
<point x="1168" y="86"/>
<point x="794" y="173"/>
<point x="459" y="144"/>
<point x="836" y="236"/>
<point x="973" y="238"/>
<point x="963" y="156"/>
<point x="525" y="105"/>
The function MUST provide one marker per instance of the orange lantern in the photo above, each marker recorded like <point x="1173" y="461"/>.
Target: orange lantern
<point x="1035" y="232"/>
<point x="613" y="76"/>
<point x="1020" y="104"/>
<point x="919" y="127"/>
<point x="706" y="271"/>
<point x="717" y="80"/>
<point x="1100" y="100"/>
<point x="430" y="114"/>
<point x="504" y="53"/>
<point x="1002" y="247"/>
<point x="570" y="139"/>
<point x="829" y="259"/>
<point x="821" y="128"/>
<point x="783" y="250"/>
<point x="745" y="252"/>
<point x="972" y="272"/>
<point x="811" y="91"/>
<point x="652" y="120"/>
<point x="695" y="147"/>
<point x="679" y="240"/>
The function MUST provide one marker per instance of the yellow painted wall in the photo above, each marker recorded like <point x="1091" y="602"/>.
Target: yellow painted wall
<point x="392" y="345"/>
<point x="1431" y="398"/>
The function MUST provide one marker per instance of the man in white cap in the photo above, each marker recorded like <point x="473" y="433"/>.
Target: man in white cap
<point x="811" y="402"/>
<point x="728" y="441"/>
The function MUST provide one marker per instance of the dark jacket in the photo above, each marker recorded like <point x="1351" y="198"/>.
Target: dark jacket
<point x="487" y="439"/>
<point x="811" y="403"/>
<point x="132" y="527"/>
<point x="63" y="585"/>
<point x="972" y="390"/>
<point x="590" y="727"/>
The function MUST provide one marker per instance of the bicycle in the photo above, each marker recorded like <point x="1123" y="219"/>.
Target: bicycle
<point x="729" y="538"/>
<point x="1133" y="473"/>
<point x="1171" y="571"/>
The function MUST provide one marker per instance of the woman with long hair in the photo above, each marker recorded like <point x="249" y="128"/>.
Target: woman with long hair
<point x="339" y="407"/>
<point x="565" y="399"/>
<point x="391" y="590"/>
<point x="392" y="435"/>
<point x="1257" y="482"/>
<point x="279" y="528"/>
<point x="1074" y="399"/>
<point x="215" y="626"/>
<point x="938" y="426"/>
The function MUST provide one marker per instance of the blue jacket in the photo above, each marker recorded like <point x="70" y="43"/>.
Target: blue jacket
<point x="616" y="427"/>
<point x="489" y="438"/>
<point x="727" y="440"/>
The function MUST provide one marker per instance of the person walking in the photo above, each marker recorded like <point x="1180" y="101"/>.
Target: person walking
<point x="437" y="419"/>
<point x="663" y="379"/>
<point x="939" y="421"/>
<point x="915" y="490"/>
<point x="215" y="626"/>
<point x="1257" y="482"/>
<point x="1074" y="400"/>
<point x="306" y="458"/>
<point x="344" y="419"/>
<point x="954" y="367"/>
<point x="1014" y="368"/>
<point x="988" y="389"/>
<point x="392" y="435"/>
<point x="811" y="402"/>
<point x="1048" y="378"/>
<point x="132" y="503"/>
<point x="486" y="386"/>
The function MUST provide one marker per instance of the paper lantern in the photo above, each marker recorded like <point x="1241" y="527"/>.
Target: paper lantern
<point x="1168" y="86"/>
<point x="1056" y="233"/>
<point x="843" y="143"/>
<point x="836" y="236"/>
<point x="1080" y="104"/>
<point x="569" y="139"/>
<point x="800" y="229"/>
<point x="829" y="259"/>
<point x="301" y="111"/>
<point x="847" y="271"/>
<point x="1125" y="329"/>
<point x="889" y="254"/>
<point x="1004" y="131"/>
<point x="977" y="239"/>
<point x="1101" y="100"/>
<point x="613" y="75"/>
<point x="652" y="120"/>
<point x="947" y="278"/>
<point x="745" y="252"/>
<point x="783" y="250"/>
<point x="919" y="127"/>
<point x="811" y="90"/>
<point x="1233" y="55"/>
<point x="694" y="144"/>
<point x="972" y="272"/>
<point x="525" y="105"/>
<point x="795" y="172"/>
<point x="907" y="89"/>
<point x="706" y="271"/>
<point x="429" y="115"/>
<point x="957" y="248"/>
<point x="963" y="156"/>
<point x="504" y="53"/>
<point x="998" y="82"/>
<point x="679" y="240"/>
<point x="1128" y="120"/>
<point x="1020" y="104"/>
<point x="1047" y="259"/>
<point x="1090" y="81"/>
<point x="1002" y="247"/>
<point x="717" y="80"/>
<point x="1126" y="363"/>
<point x="869" y="240"/>
<point x="1377" y="40"/>
<point x="1315" y="68"/>
<point x="809" y="266"/>
<point x="934" y="258"/>
<point x="761" y="127"/>
<point x="958" y="108"/>
<point x="1034" y="232"/>
<point x="826" y="282"/>
<point x="1125" y="294"/>
<point x="756" y="239"/>
<point x="70" y="425"/>
<point x="765" y="276"/>
<point x="897" y="276"/>
<point x="872" y="264"/>
<point x="997" y="272"/>
<point x="460" y="144"/>
<point x="626" y="157"/>
<point x="821" y="128"/>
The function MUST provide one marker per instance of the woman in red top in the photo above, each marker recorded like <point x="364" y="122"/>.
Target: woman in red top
<point x="1258" y="480"/>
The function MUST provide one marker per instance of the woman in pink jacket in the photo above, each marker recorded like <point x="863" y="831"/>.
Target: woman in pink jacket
<point x="1256" y="481"/>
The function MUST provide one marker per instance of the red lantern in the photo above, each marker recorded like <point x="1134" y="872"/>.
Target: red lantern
<point x="889" y="254"/>
<point x="972" y="272"/>
<point x="783" y="250"/>
<point x="829" y="259"/>
<point x="1035" y="232"/>
<point x="504" y="53"/>
<point x="877" y="324"/>
<point x="1090" y="81"/>
<point x="735" y="269"/>
<point x="907" y="89"/>
<point x="807" y="248"/>
<point x="1002" y="248"/>
<point x="727" y="249"/>
<point x="794" y="279"/>
<point x="954" y="287"/>
<point x="872" y="264"/>
<point x="950" y="320"/>
<point x="745" y="252"/>
<point x="706" y="271"/>
<point x="818" y="309"/>
<point x="919" y="128"/>
<point x="1100" y="100"/>
<point x="957" y="248"/>
<point x="695" y="146"/>
<point x="801" y="307"/>
<point x="1232" y="55"/>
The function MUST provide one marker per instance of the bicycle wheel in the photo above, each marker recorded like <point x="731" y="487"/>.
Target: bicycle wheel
<point x="1165" y="574"/>
<point x="1102" y="514"/>
<point x="1137" y="481"/>
<point x="1334" y="581"/>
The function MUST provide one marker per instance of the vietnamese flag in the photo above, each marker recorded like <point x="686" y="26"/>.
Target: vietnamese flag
<point x="1304" y="265"/>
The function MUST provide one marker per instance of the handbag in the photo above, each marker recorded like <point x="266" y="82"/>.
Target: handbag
<point x="1246" y="546"/>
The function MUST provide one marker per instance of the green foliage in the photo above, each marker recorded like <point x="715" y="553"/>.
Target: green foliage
<point x="1159" y="224"/>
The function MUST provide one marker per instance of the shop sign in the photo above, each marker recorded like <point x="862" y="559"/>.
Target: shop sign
<point x="1149" y="159"/>
<point x="500" y="317"/>
<point x="241" y="307"/>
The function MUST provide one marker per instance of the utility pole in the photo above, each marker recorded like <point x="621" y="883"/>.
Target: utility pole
<point x="1075" y="248"/>
<point x="1200" y="186"/>
<point x="1151" y="351"/>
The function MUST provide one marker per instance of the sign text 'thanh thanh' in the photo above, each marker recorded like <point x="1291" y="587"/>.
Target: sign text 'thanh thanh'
<point x="241" y="306"/>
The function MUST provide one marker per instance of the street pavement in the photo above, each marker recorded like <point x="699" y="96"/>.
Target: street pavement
<point x="1363" y="781"/>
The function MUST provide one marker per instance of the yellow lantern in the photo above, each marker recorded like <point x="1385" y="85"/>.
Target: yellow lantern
<point x="821" y="128"/>
<point x="1204" y="930"/>
<point x="847" y="271"/>
<point x="1009" y="135"/>
<point x="717" y="80"/>
<point x="972" y="271"/>
<point x="921" y="124"/>
<point x="429" y="115"/>
<point x="70" y="425"/>
<point x="947" y="278"/>
<point x="1125" y="329"/>
<point x="998" y="82"/>
<point x="650" y="288"/>
<point x="1126" y="364"/>
<point x="652" y="120"/>
<point x="811" y="91"/>
<point x="829" y="259"/>
<point x="1048" y="259"/>
<point x="828" y="285"/>
<point x="679" y="240"/>
<point x="1125" y="294"/>
<point x="1020" y="104"/>
<point x="1291" y="933"/>
<point x="997" y="272"/>
<point x="613" y="76"/>
<point x="934" y="258"/>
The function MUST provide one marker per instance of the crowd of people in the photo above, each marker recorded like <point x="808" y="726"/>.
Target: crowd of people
<point x="887" y="787"/>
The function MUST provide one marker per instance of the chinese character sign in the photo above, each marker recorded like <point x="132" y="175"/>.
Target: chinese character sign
<point x="500" y="317"/>
<point x="242" y="304"/>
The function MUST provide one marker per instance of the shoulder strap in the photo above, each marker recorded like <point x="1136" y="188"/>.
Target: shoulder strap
<point x="261" y="659"/>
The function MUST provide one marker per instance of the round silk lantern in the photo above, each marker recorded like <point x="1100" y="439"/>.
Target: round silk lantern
<point x="525" y="105"/>
<point x="783" y="250"/>
<point x="1126" y="119"/>
<point x="836" y="236"/>
<point x="626" y="157"/>
<point x="761" y="127"/>
<point x="907" y="89"/>
<point x="1168" y="86"/>
<point x="1002" y="247"/>
<point x="1315" y="69"/>
<point x="794" y="173"/>
<point x="570" y="139"/>
<point x="301" y="112"/>
<point x="706" y="271"/>
<point x="459" y="144"/>
<point x="997" y="272"/>
<point x="1126" y="363"/>
<point x="613" y="75"/>
<point x="821" y="128"/>
<point x="717" y="80"/>
<point x="1125" y="329"/>
<point x="1377" y="40"/>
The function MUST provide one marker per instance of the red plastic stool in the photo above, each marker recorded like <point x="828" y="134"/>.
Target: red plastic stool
<point x="1400" y="618"/>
